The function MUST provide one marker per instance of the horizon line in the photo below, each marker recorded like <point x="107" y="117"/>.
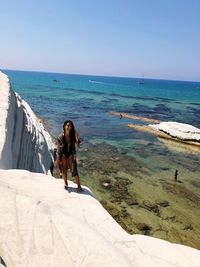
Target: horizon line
<point x="101" y="75"/>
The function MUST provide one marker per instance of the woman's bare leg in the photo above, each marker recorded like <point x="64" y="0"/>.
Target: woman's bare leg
<point x="73" y="168"/>
<point x="64" y="170"/>
<point x="77" y="180"/>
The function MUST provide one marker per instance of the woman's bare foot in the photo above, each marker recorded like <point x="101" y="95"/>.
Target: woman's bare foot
<point x="79" y="189"/>
<point x="66" y="187"/>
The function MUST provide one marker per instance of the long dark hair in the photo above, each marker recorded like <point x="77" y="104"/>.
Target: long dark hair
<point x="72" y="132"/>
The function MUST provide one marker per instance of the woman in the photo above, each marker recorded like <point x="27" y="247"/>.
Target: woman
<point x="66" y="153"/>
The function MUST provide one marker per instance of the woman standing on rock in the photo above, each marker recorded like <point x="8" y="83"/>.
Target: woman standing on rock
<point x="66" y="153"/>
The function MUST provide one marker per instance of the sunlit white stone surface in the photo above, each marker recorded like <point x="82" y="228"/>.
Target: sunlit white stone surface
<point x="178" y="130"/>
<point x="41" y="224"/>
<point x="24" y="143"/>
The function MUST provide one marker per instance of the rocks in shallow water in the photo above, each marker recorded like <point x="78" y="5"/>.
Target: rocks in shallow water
<point x="162" y="203"/>
<point x="150" y="206"/>
<point x="111" y="180"/>
<point x="123" y="213"/>
<point x="143" y="227"/>
<point x="181" y="191"/>
<point x="122" y="181"/>
<point x="122" y="216"/>
<point x="115" y="158"/>
<point x="105" y="183"/>
<point x="120" y="192"/>
<point x="165" y="168"/>
<point x="167" y="215"/>
<point x="131" y="201"/>
<point x="177" y="130"/>
<point x="188" y="227"/>
<point x="110" y="208"/>
<point x="117" y="214"/>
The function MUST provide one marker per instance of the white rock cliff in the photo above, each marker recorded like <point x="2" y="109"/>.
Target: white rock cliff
<point x="24" y="143"/>
<point x="42" y="225"/>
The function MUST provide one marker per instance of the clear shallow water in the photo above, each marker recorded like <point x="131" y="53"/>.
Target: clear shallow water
<point x="87" y="100"/>
<point x="112" y="150"/>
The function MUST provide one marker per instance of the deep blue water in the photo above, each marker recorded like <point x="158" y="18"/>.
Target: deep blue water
<point x="87" y="100"/>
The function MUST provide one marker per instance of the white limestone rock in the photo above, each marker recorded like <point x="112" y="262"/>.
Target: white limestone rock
<point x="24" y="143"/>
<point x="42" y="225"/>
<point x="5" y="109"/>
<point x="177" y="130"/>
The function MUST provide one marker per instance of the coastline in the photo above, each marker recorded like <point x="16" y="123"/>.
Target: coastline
<point x="40" y="211"/>
<point x="124" y="186"/>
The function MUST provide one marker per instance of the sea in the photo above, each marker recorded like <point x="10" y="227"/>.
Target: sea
<point x="110" y="149"/>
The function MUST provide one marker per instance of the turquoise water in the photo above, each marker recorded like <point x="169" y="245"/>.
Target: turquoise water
<point x="87" y="100"/>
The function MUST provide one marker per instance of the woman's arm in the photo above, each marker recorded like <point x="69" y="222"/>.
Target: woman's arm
<point x="78" y="141"/>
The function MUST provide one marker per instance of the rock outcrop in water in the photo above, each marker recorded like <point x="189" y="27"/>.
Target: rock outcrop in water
<point x="181" y="131"/>
<point x="177" y="131"/>
<point x="43" y="225"/>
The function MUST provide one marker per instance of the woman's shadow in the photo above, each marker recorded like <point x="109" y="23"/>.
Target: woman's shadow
<point x="85" y="191"/>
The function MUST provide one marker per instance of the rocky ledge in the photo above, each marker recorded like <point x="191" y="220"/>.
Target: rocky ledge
<point x="44" y="225"/>
<point x="177" y="131"/>
<point x="181" y="131"/>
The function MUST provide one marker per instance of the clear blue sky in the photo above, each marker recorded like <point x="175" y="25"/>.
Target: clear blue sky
<point x="157" y="38"/>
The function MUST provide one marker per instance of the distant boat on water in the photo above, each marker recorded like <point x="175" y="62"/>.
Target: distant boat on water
<point x="142" y="80"/>
<point x="91" y="81"/>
